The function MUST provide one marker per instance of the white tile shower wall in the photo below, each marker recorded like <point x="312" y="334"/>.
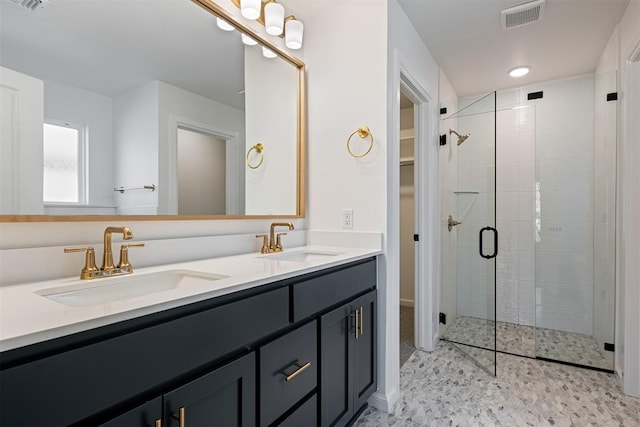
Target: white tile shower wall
<point x="543" y="277"/>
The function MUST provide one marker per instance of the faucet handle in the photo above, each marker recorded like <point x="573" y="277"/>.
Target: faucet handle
<point x="279" y="242"/>
<point x="265" y="243"/>
<point x="124" y="263"/>
<point x="89" y="270"/>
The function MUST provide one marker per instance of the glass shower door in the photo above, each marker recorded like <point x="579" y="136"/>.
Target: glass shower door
<point x="471" y="136"/>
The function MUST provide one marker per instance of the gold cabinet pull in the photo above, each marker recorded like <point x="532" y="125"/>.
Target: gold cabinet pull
<point x="179" y="417"/>
<point x="361" y="322"/>
<point x="357" y="316"/>
<point x="297" y="371"/>
<point x="159" y="422"/>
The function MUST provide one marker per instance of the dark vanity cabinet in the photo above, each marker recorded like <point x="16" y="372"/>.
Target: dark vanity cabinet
<point x="348" y="343"/>
<point x="286" y="353"/>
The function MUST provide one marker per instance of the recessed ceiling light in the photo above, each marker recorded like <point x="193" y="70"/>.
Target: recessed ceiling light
<point x="519" y="71"/>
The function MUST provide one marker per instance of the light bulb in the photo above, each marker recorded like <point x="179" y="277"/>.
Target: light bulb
<point x="294" y="31"/>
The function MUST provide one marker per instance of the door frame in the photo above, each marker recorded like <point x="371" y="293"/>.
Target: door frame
<point x="428" y="223"/>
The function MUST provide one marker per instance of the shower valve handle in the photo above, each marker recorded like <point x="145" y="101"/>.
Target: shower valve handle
<point x="452" y="222"/>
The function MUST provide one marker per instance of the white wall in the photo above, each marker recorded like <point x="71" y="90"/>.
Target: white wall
<point x="448" y="201"/>
<point x="409" y="62"/>
<point x="271" y="85"/>
<point x="135" y="131"/>
<point x="68" y="103"/>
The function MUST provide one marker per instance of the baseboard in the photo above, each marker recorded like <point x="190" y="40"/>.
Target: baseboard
<point x="407" y="302"/>
<point x="382" y="402"/>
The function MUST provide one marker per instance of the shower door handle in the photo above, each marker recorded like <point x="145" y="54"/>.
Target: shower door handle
<point x="495" y="242"/>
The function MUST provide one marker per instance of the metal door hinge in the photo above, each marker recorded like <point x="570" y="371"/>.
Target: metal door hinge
<point x="416" y="237"/>
<point x="443" y="318"/>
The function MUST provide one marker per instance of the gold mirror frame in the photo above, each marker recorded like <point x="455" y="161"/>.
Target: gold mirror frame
<point x="218" y="11"/>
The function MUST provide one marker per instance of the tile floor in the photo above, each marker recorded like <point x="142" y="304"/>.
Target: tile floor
<point x="406" y="334"/>
<point x="529" y="341"/>
<point x="444" y="388"/>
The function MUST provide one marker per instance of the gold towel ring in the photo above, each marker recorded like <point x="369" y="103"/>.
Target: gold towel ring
<point x="362" y="132"/>
<point x="258" y="148"/>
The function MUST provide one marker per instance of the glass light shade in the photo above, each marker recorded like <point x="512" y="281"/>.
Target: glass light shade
<point x="250" y="9"/>
<point x="274" y="18"/>
<point x="248" y="40"/>
<point x="268" y="53"/>
<point x="294" y="30"/>
<point x="224" y="25"/>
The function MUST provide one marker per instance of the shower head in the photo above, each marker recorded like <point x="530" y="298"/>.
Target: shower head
<point x="461" y="138"/>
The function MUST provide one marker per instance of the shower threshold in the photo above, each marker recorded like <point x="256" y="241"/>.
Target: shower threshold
<point x="477" y="336"/>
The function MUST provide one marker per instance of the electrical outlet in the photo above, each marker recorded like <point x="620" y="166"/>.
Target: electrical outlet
<point x="347" y="218"/>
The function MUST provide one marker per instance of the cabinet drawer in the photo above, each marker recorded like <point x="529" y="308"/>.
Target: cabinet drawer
<point x="314" y="295"/>
<point x="100" y="375"/>
<point x="305" y="415"/>
<point x="281" y="358"/>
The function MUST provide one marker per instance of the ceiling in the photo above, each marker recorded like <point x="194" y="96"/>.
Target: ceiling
<point x="466" y="39"/>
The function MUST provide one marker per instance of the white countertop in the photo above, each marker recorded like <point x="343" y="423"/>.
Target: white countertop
<point x="27" y="317"/>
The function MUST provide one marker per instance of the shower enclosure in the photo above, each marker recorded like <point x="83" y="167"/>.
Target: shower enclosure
<point x="539" y="166"/>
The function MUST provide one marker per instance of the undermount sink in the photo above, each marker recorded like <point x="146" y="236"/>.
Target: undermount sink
<point x="102" y="291"/>
<point x="302" y="255"/>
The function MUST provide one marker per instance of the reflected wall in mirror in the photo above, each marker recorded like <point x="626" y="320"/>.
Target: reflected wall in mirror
<point x="154" y="111"/>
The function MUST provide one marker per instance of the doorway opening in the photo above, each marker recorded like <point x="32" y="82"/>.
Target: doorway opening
<point x="408" y="206"/>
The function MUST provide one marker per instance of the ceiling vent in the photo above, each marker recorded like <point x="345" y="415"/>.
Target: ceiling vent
<point x="32" y="4"/>
<point x="523" y="14"/>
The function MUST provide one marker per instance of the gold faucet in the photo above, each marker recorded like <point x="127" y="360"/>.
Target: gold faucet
<point x="107" y="257"/>
<point x="90" y="271"/>
<point x="275" y="244"/>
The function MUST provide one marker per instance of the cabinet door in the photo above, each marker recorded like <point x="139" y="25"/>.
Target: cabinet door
<point x="147" y="415"/>
<point x="364" y="350"/>
<point x="336" y="378"/>
<point x="225" y="397"/>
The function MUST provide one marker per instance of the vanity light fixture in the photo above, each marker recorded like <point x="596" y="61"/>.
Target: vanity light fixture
<point x="271" y="14"/>
<point x="519" y="71"/>
<point x="248" y="40"/>
<point x="224" y="25"/>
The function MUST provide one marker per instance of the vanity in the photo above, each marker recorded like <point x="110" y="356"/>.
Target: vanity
<point x="246" y="340"/>
<point x="280" y="339"/>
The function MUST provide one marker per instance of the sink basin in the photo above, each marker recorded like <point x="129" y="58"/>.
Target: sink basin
<point x="303" y="255"/>
<point x="106" y="290"/>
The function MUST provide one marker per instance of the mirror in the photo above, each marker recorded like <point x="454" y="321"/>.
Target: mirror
<point x="148" y="109"/>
